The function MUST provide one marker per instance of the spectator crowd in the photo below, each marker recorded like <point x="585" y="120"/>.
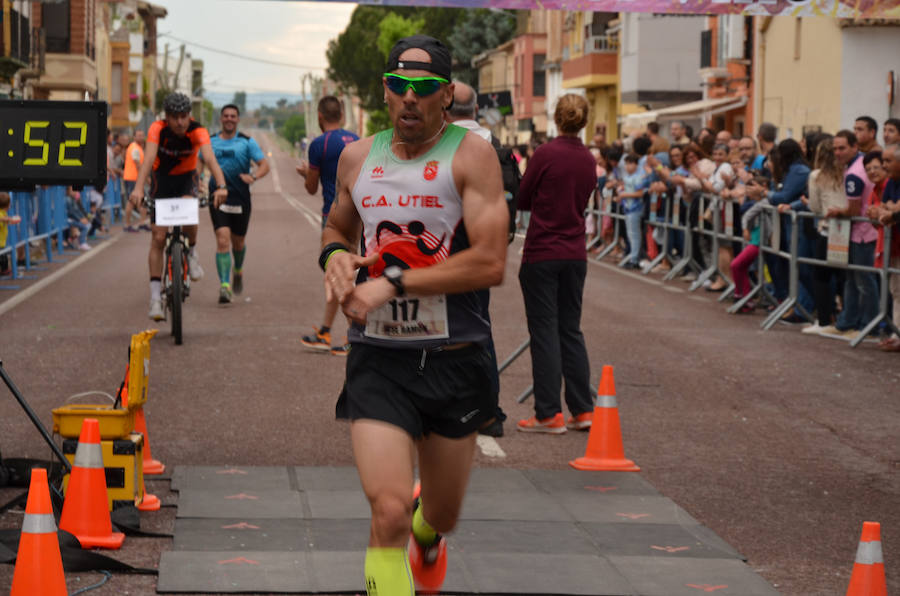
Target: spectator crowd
<point x="844" y="188"/>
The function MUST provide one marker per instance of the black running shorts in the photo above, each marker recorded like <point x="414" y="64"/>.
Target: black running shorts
<point x="235" y="217"/>
<point x="448" y="393"/>
<point x="171" y="187"/>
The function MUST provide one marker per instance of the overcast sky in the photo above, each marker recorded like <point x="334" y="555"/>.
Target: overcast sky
<point x="289" y="32"/>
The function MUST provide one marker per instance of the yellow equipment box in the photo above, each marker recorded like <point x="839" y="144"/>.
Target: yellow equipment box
<point x="115" y="423"/>
<point x="123" y="460"/>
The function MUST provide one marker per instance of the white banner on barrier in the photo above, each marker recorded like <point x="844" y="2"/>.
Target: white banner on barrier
<point x="729" y="217"/>
<point x="177" y="212"/>
<point x="838" y="240"/>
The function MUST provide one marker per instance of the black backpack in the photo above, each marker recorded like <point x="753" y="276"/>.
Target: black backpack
<point x="509" y="169"/>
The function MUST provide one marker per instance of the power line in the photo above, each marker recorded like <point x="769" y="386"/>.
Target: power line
<point x="242" y="57"/>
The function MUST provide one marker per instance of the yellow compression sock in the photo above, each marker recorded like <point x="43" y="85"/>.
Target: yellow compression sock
<point x="423" y="532"/>
<point x="387" y="572"/>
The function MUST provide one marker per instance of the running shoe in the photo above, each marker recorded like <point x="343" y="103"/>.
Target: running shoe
<point x="145" y="228"/>
<point x="224" y="294"/>
<point x="156" y="310"/>
<point x="318" y="340"/>
<point x="555" y="425"/>
<point x="237" y="282"/>
<point x="340" y="350"/>
<point x="428" y="563"/>
<point x="194" y="268"/>
<point x="131" y="229"/>
<point x="581" y="421"/>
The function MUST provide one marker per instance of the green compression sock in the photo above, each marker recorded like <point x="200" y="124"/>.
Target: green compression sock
<point x="223" y="266"/>
<point x="387" y="572"/>
<point x="423" y="532"/>
<point x="239" y="259"/>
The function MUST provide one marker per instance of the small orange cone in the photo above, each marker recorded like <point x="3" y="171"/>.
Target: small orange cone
<point x="604" y="449"/>
<point x="151" y="466"/>
<point x="868" y="571"/>
<point x="39" y="568"/>
<point x="85" y="511"/>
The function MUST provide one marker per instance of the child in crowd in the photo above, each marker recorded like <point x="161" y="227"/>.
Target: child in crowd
<point x="740" y="265"/>
<point x="79" y="220"/>
<point x="5" y="220"/>
<point x="633" y="208"/>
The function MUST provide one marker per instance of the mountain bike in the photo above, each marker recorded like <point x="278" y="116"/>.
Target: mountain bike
<point x="176" y="281"/>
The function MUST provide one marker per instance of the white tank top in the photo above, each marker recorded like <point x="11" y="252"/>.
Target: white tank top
<point x="412" y="215"/>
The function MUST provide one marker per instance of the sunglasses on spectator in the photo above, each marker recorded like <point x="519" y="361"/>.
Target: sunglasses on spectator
<point x="421" y="86"/>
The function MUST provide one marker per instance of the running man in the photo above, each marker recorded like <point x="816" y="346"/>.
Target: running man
<point x="171" y="154"/>
<point x="235" y="153"/>
<point x="324" y="152"/>
<point x="134" y="157"/>
<point x="428" y="199"/>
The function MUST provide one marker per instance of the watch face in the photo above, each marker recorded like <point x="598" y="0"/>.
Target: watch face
<point x="393" y="272"/>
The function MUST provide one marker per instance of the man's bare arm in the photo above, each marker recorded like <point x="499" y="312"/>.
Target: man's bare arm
<point x="486" y="219"/>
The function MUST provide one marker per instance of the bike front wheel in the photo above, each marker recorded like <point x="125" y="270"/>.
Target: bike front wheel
<point x="176" y="298"/>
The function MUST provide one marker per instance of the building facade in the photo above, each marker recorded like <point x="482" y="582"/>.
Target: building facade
<point x="821" y="74"/>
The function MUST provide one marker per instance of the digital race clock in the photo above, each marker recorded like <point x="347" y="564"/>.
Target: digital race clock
<point x="52" y="142"/>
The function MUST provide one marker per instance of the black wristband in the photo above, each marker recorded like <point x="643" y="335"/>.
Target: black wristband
<point x="326" y="252"/>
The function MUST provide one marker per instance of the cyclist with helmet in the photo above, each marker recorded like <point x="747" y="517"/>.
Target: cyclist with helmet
<point x="171" y="156"/>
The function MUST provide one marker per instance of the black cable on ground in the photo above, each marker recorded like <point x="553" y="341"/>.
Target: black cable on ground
<point x="106" y="576"/>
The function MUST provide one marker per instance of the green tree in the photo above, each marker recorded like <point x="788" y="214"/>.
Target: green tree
<point x="394" y="27"/>
<point x="378" y="120"/>
<point x="240" y="100"/>
<point x="294" y="128"/>
<point x="281" y="103"/>
<point x="354" y="57"/>
<point x="479" y="30"/>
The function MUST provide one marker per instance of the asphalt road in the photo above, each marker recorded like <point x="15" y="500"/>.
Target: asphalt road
<point x="782" y="444"/>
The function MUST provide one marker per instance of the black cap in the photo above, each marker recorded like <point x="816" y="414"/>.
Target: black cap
<point x="440" y="56"/>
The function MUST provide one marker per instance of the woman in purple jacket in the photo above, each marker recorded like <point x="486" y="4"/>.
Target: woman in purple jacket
<point x="556" y="188"/>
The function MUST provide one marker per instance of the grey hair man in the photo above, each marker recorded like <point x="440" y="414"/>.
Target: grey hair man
<point x="464" y="109"/>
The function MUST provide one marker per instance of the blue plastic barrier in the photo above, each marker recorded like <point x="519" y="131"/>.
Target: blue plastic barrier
<point x="43" y="214"/>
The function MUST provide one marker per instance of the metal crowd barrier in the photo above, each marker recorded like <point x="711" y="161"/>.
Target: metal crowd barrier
<point x="43" y="217"/>
<point x="113" y="200"/>
<point x="720" y="209"/>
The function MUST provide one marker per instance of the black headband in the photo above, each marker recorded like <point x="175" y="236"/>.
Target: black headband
<point x="440" y="56"/>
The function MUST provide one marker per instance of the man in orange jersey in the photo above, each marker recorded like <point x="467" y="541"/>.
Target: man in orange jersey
<point x="171" y="153"/>
<point x="134" y="157"/>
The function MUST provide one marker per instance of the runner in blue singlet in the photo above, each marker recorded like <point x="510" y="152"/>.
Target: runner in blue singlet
<point x="324" y="152"/>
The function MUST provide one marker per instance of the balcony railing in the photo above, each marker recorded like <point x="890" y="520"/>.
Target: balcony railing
<point x="601" y="44"/>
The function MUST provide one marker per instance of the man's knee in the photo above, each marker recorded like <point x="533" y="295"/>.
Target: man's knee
<point x="158" y="238"/>
<point x="391" y="517"/>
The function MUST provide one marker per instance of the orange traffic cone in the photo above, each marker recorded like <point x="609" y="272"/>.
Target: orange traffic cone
<point x="39" y="568"/>
<point x="604" y="449"/>
<point x="868" y="571"/>
<point x="151" y="466"/>
<point x="85" y="511"/>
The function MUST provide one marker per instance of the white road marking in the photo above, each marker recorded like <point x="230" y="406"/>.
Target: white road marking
<point x="314" y="219"/>
<point x="34" y="289"/>
<point x="489" y="446"/>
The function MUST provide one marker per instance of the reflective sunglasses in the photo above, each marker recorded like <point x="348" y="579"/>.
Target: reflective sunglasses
<point x="421" y="86"/>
